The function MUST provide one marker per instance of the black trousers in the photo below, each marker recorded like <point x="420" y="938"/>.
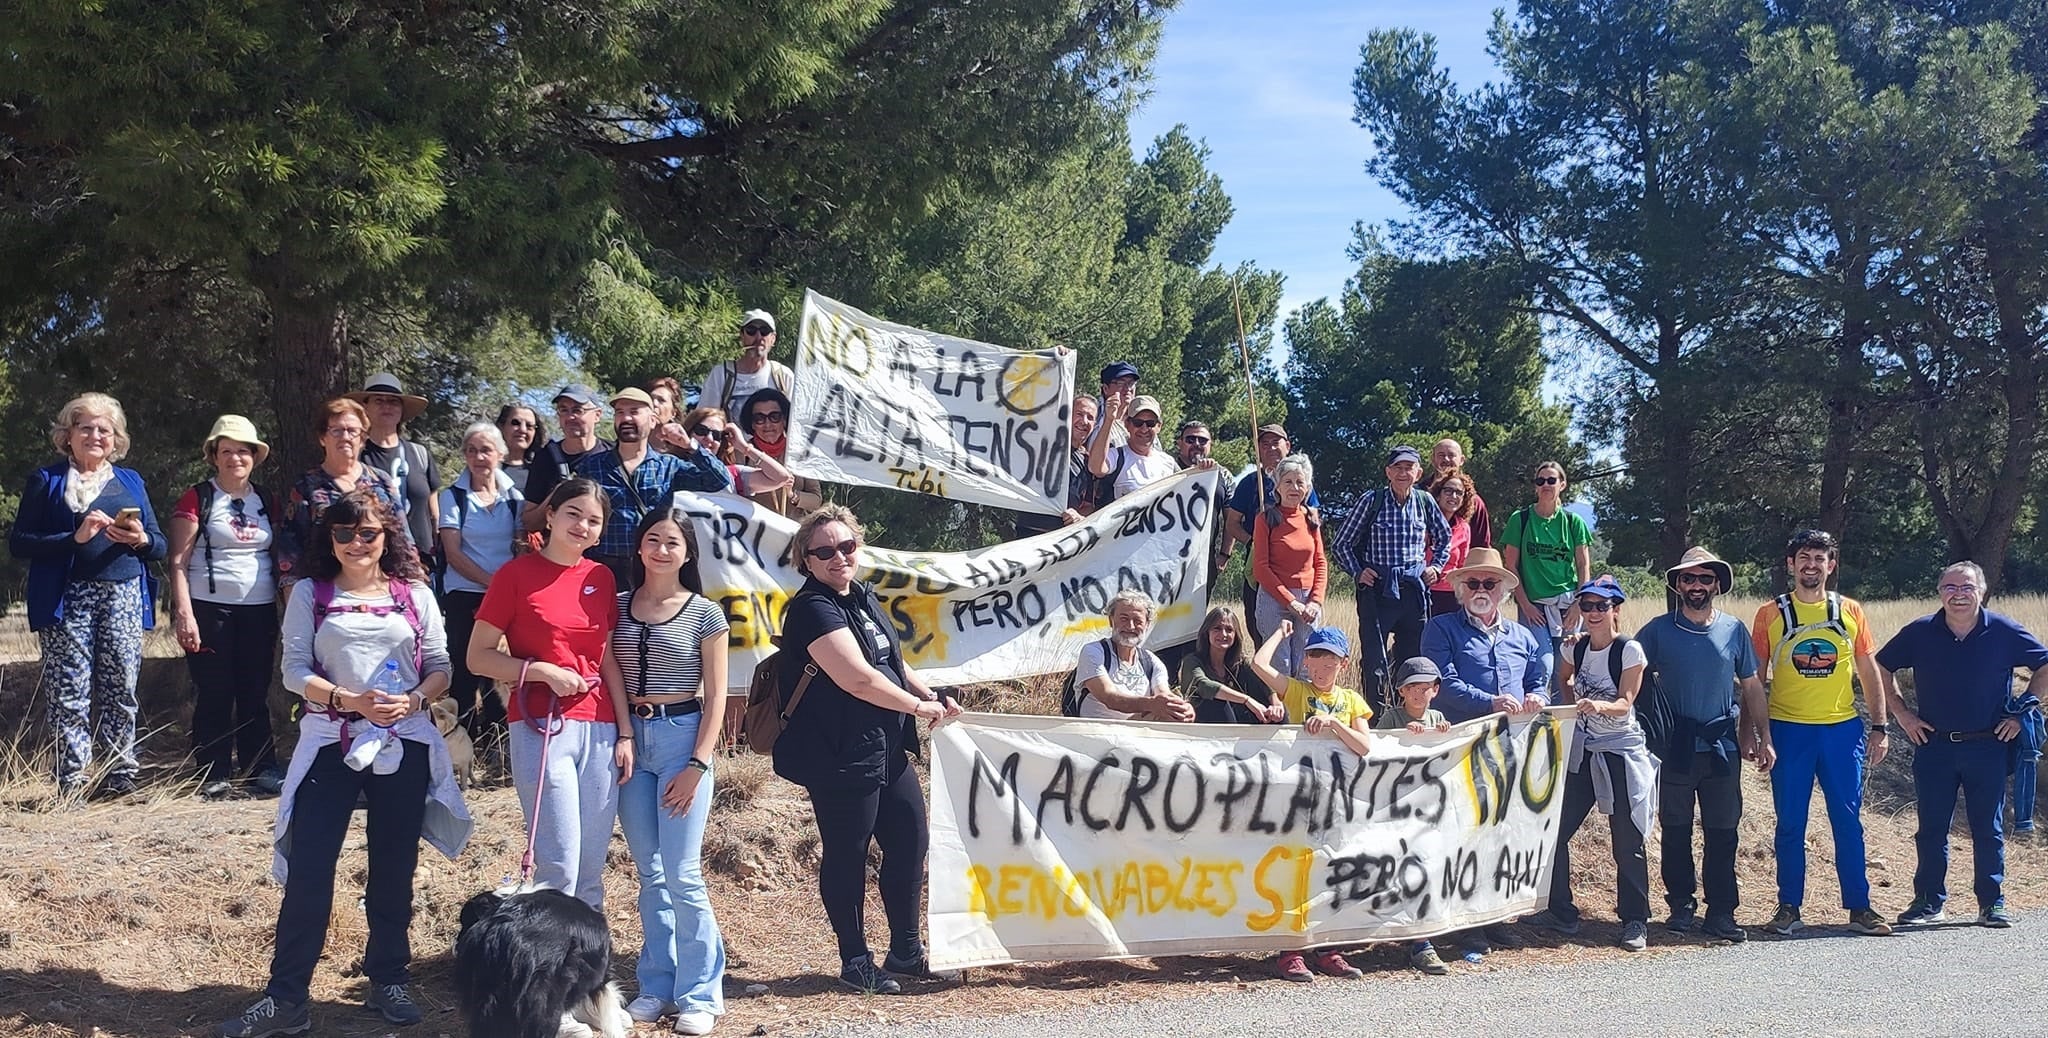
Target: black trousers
<point x="321" y="807"/>
<point x="1692" y="780"/>
<point x="1379" y="617"/>
<point x="480" y="709"/>
<point x="892" y="816"/>
<point x="1631" y="868"/>
<point x="231" y="675"/>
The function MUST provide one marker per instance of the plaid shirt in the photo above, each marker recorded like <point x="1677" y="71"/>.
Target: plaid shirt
<point x="650" y="485"/>
<point x="1404" y="536"/>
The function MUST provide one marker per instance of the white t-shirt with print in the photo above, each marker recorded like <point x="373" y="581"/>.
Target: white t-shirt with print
<point x="1128" y="678"/>
<point x="1594" y="682"/>
<point x="1140" y="470"/>
<point x="240" y="534"/>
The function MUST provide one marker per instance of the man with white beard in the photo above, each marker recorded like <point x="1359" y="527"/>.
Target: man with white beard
<point x="1491" y="664"/>
<point x="1122" y="680"/>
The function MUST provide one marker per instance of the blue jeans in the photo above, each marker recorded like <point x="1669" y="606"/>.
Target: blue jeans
<point x="683" y="958"/>
<point x="1977" y="768"/>
<point x="1833" y="754"/>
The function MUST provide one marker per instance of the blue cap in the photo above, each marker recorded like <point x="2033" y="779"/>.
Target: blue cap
<point x="1118" y="369"/>
<point x="1604" y="586"/>
<point x="1329" y="639"/>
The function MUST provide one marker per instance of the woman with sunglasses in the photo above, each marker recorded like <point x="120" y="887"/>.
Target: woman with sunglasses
<point x="1611" y="767"/>
<point x="754" y="472"/>
<point x="848" y="742"/>
<point x="340" y="427"/>
<point x="554" y="610"/>
<point x="224" y="610"/>
<point x="668" y="653"/>
<point x="362" y="610"/>
<point x="766" y="418"/>
<point x="525" y="437"/>
<point x="1550" y="548"/>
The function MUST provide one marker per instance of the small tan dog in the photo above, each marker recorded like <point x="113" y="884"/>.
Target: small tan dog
<point x="461" y="752"/>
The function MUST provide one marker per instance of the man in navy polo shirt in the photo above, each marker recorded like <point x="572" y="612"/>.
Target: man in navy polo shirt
<point x="1962" y="659"/>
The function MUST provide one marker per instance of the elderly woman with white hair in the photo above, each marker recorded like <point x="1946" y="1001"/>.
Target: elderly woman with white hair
<point x="1288" y="561"/>
<point x="88" y="533"/>
<point x="479" y="530"/>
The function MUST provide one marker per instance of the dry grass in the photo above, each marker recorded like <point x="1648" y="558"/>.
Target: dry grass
<point x="154" y="918"/>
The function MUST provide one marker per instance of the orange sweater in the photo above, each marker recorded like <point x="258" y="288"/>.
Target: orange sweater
<point x="1289" y="558"/>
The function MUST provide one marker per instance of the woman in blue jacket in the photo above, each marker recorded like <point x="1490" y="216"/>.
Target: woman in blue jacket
<point x="88" y="533"/>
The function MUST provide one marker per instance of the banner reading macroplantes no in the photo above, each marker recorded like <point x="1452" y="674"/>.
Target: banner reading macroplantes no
<point x="885" y="405"/>
<point x="1018" y="608"/>
<point x="1058" y="838"/>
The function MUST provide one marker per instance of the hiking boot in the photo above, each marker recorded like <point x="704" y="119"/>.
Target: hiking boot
<point x="114" y="787"/>
<point x="646" y="1009"/>
<point x="1683" y="919"/>
<point x="915" y="966"/>
<point x="1549" y="920"/>
<point x="269" y="782"/>
<point x="862" y="976"/>
<point x="267" y="1017"/>
<point x="1426" y="960"/>
<point x="394" y="1003"/>
<point x="1290" y="966"/>
<point x="1922" y="913"/>
<point x="1722" y="925"/>
<point x="1786" y="922"/>
<point x="1332" y="963"/>
<point x="1865" y="921"/>
<point x="1995" y="915"/>
<point x="1501" y="935"/>
<point x="215" y="789"/>
<point x="1635" y="935"/>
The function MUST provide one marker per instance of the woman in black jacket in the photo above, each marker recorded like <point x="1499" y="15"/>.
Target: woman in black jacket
<point x="849" y="741"/>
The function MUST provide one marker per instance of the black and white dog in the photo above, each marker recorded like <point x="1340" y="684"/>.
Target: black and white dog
<point x="536" y="964"/>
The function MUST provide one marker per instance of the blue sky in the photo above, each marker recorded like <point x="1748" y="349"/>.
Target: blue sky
<point x="1267" y="85"/>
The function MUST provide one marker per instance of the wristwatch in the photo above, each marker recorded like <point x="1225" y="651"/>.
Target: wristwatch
<point x="1881" y="729"/>
<point x="699" y="764"/>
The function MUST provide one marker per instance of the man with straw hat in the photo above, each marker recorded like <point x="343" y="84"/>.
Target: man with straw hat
<point x="1700" y="659"/>
<point x="1490" y="663"/>
<point x="389" y="406"/>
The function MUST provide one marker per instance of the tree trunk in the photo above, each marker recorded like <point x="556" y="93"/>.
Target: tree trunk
<point x="2022" y="388"/>
<point x="1846" y="391"/>
<point x="308" y="366"/>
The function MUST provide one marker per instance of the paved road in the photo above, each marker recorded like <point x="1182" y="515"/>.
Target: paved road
<point x="1955" y="979"/>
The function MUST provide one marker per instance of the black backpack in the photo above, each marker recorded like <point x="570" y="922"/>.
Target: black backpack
<point x="1653" y="709"/>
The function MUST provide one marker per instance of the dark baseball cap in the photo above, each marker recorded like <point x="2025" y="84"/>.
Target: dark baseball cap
<point x="1417" y="670"/>
<point x="581" y="394"/>
<point x="1120" y="369"/>
<point x="1274" y="430"/>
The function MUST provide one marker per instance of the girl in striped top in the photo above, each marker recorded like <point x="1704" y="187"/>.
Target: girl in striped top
<point x="668" y="653"/>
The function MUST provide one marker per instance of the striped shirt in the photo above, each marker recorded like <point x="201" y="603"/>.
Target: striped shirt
<point x="1408" y="534"/>
<point x="665" y="658"/>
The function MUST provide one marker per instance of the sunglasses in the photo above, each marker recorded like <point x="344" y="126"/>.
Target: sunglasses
<point x="1143" y="423"/>
<point x="1548" y="481"/>
<point x="1596" y="605"/>
<point x="827" y="552"/>
<point x="1195" y="440"/>
<point x="765" y="417"/>
<point x="757" y="329"/>
<point x="352" y="534"/>
<point x="1488" y="584"/>
<point x="706" y="432"/>
<point x="1707" y="579"/>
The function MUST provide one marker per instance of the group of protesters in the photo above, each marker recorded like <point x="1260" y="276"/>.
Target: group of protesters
<point x="549" y="592"/>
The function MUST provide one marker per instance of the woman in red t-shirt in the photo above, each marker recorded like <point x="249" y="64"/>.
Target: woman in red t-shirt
<point x="555" y="609"/>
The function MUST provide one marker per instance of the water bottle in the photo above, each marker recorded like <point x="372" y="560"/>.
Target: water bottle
<point x="389" y="682"/>
<point x="387" y="685"/>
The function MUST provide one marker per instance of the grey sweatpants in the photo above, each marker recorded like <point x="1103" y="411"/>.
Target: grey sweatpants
<point x="578" y="804"/>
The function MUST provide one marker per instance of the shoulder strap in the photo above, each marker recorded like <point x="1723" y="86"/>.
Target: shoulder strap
<point x="461" y="505"/>
<point x="401" y="596"/>
<point x="206" y="492"/>
<point x="1615" y="665"/>
<point x="1521" y="542"/>
<point x="1785" y="613"/>
<point x="1579" y="647"/>
<point x="1108" y="666"/>
<point x="1835" y="614"/>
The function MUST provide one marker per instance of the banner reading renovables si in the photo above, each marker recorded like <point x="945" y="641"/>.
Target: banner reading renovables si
<point x="884" y="405"/>
<point x="1018" y="608"/>
<point x="1058" y="838"/>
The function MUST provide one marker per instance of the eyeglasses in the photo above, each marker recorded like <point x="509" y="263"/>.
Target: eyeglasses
<point x="1488" y="584"/>
<point x="757" y="329"/>
<point x="1958" y="589"/>
<point x="705" y="432"/>
<point x="826" y="553"/>
<point x="1198" y="441"/>
<point x="572" y="409"/>
<point x="352" y="534"/>
<point x="766" y="417"/>
<point x="1697" y="578"/>
<point x="93" y="430"/>
<point x="346" y="432"/>
<point x="1143" y="423"/>
<point x="1548" y="481"/>
<point x="1595" y="605"/>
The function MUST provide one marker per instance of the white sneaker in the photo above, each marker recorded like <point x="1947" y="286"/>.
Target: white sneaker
<point x="695" y="1021"/>
<point x="647" y="1009"/>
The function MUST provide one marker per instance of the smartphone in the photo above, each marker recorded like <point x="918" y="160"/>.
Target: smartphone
<point x="129" y="515"/>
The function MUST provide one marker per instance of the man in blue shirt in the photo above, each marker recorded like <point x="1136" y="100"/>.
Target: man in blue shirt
<point x="1700" y="658"/>
<point x="1962" y="659"/>
<point x="1490" y="663"/>
<point x="638" y="480"/>
<point x="1394" y="543"/>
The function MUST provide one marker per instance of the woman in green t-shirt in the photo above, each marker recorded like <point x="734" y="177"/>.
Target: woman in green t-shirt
<point x="1551" y="549"/>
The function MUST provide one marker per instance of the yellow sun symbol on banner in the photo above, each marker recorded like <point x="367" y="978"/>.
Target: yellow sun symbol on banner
<point x="1030" y="383"/>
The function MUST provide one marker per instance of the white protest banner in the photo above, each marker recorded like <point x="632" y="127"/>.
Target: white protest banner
<point x="884" y="405"/>
<point x="1058" y="838"/>
<point x="1018" y="608"/>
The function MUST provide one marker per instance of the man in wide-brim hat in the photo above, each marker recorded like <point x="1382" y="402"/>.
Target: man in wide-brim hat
<point x="386" y="449"/>
<point x="1704" y="665"/>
